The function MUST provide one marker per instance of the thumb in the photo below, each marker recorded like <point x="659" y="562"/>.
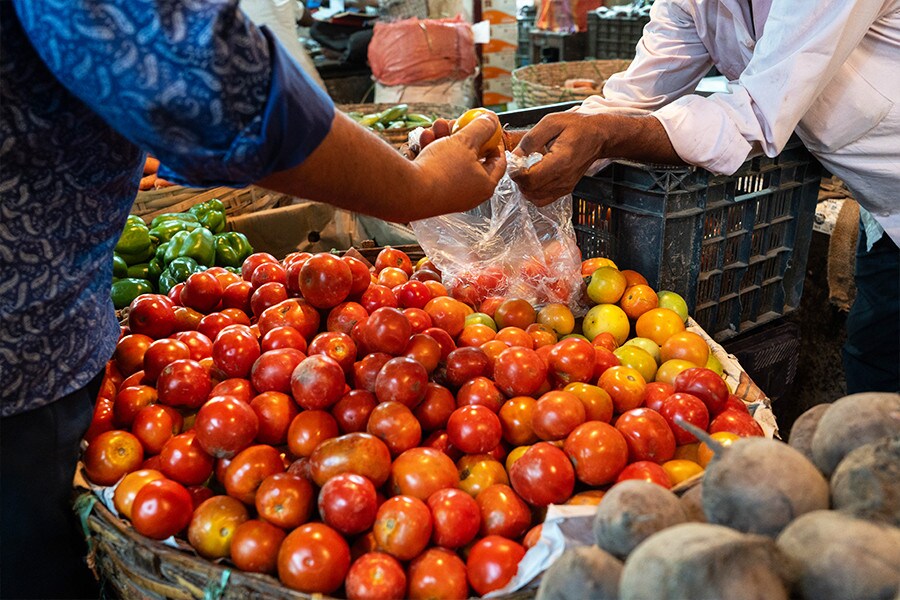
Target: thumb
<point x="479" y="131"/>
<point x="537" y="138"/>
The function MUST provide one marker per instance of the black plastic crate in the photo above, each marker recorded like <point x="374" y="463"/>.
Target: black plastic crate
<point x="614" y="34"/>
<point x="557" y="46"/>
<point x="734" y="247"/>
<point x="771" y="356"/>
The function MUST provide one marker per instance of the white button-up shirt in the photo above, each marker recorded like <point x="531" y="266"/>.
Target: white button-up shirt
<point x="828" y="68"/>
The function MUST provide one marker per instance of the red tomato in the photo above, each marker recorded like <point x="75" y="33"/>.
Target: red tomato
<point x="102" y="419"/>
<point x="253" y="261"/>
<point x="249" y="469"/>
<point x="376" y="576"/>
<point x="275" y="412"/>
<point x="130" y="485"/>
<point x="211" y="325"/>
<point x="184" y="383"/>
<point x="392" y="257"/>
<point x="161" y="508"/>
<point x="361" y="276"/>
<point x="647" y="434"/>
<point x="202" y="292"/>
<point x="440" y="441"/>
<point x="338" y="346"/>
<point x="155" y="425"/>
<point x="556" y="414"/>
<point x="456" y="516"/>
<point x="515" y="418"/>
<point x="572" y="360"/>
<point x="412" y="294"/>
<point x="236" y="387"/>
<point x="284" y="336"/>
<point x="266" y="296"/>
<point x="255" y="545"/>
<point x="503" y="512"/>
<point x="543" y="475"/>
<point x="425" y="350"/>
<point x="387" y="330"/>
<point x="308" y="429"/>
<point x="111" y="455"/>
<point x="225" y="426"/>
<point x="480" y="391"/>
<point x="464" y="364"/>
<point x="317" y="382"/>
<point x="130" y="350"/>
<point x="418" y="319"/>
<point x="474" y="429"/>
<point x="492" y="562"/>
<point x="437" y="574"/>
<point x="285" y="500"/>
<point x="268" y="273"/>
<point x="603" y="359"/>
<point x="686" y="407"/>
<point x="598" y="451"/>
<point x="365" y="371"/>
<point x="735" y="403"/>
<point x="199" y="345"/>
<point x="272" y="370"/>
<point x="237" y="295"/>
<point x="647" y="471"/>
<point x="183" y="459"/>
<point x="294" y="313"/>
<point x="737" y="422"/>
<point x="162" y="352"/>
<point x="403" y="527"/>
<point x="420" y="472"/>
<point x="396" y="425"/>
<point x="348" y="502"/>
<point x="152" y="315"/>
<point x="434" y="411"/>
<point x="352" y="411"/>
<point x="359" y="453"/>
<point x="655" y="393"/>
<point x="519" y="371"/>
<point x="314" y="558"/>
<point x="235" y="350"/>
<point x="443" y="338"/>
<point x="401" y="380"/>
<point x="131" y="400"/>
<point x="378" y="296"/>
<point x="343" y="317"/>
<point x="706" y="385"/>
<point x="213" y="524"/>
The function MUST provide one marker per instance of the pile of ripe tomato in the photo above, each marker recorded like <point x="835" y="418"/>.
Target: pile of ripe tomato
<point x="355" y="430"/>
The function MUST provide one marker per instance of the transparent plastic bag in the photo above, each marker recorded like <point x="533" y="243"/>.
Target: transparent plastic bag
<point x="507" y="247"/>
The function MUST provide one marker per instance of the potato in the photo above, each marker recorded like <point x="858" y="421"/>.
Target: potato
<point x="583" y="572"/>
<point x="632" y="511"/>
<point x="804" y="427"/>
<point x="839" y="556"/>
<point x="757" y="485"/>
<point x="692" y="503"/>
<point x="699" y="560"/>
<point x="852" y="422"/>
<point x="866" y="484"/>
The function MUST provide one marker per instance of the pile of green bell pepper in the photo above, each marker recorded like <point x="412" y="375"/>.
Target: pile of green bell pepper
<point x="172" y="247"/>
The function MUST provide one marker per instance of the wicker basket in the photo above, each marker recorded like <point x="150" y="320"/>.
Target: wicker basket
<point x="539" y="85"/>
<point x="133" y="567"/>
<point x="398" y="137"/>
<point x="151" y="203"/>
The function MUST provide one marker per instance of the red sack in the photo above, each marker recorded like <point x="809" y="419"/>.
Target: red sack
<point x="420" y="51"/>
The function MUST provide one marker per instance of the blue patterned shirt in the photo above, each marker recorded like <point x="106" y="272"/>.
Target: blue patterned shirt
<point x="86" y="86"/>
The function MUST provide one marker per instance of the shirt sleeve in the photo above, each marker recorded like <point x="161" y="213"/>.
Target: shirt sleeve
<point x="670" y="60"/>
<point x="215" y="98"/>
<point x="804" y="45"/>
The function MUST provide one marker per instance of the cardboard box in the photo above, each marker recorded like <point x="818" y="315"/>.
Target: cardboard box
<point x="496" y="17"/>
<point x="498" y="85"/>
<point x="505" y="32"/>
<point x="505" y="60"/>
<point x="505" y="6"/>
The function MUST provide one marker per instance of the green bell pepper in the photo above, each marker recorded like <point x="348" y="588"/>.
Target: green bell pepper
<point x="139" y="257"/>
<point x="166" y="217"/>
<point x="178" y="270"/>
<point x="120" y="267"/>
<point x="232" y="248"/>
<point x="163" y="232"/>
<point x="155" y="269"/>
<point x="211" y="214"/>
<point x="135" y="237"/>
<point x="139" y="271"/>
<point x="161" y="252"/>
<point x="198" y="244"/>
<point x="124" y="291"/>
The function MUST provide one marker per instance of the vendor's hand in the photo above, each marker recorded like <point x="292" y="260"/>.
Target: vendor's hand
<point x="570" y="142"/>
<point x="439" y="129"/>
<point x="452" y="170"/>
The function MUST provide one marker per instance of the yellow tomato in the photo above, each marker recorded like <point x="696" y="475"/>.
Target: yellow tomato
<point x="472" y="114"/>
<point x="680" y="470"/>
<point x="705" y="453"/>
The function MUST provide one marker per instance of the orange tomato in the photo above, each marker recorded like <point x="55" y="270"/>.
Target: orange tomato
<point x="475" y="335"/>
<point x="688" y="452"/>
<point x="659" y="324"/>
<point x="606" y="286"/>
<point x="680" y="470"/>
<point x="515" y="336"/>
<point x="588" y="266"/>
<point x="130" y="485"/>
<point x="669" y="370"/>
<point x="587" y="498"/>
<point x="685" y="345"/>
<point x="633" y="278"/>
<point x="447" y="313"/>
<point x="637" y="300"/>
<point x="705" y="453"/>
<point x="557" y="317"/>
<point x="472" y="114"/>
<point x="625" y="387"/>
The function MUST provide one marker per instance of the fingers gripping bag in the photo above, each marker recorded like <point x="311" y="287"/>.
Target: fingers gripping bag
<point x="507" y="247"/>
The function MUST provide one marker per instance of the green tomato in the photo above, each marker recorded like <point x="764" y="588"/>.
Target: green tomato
<point x="480" y="319"/>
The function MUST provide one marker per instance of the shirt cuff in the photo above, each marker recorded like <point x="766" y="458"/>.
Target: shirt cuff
<point x="296" y="118"/>
<point x="703" y="134"/>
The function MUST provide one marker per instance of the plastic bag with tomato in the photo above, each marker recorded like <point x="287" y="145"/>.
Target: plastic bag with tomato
<point x="507" y="247"/>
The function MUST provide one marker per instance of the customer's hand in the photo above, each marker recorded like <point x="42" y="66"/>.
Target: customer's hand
<point x="456" y="174"/>
<point x="570" y="143"/>
<point x="439" y="129"/>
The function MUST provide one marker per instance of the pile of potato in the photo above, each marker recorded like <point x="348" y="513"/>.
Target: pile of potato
<point x="818" y="517"/>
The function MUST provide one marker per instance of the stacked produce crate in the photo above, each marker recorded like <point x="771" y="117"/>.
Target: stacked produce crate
<point x="499" y="55"/>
